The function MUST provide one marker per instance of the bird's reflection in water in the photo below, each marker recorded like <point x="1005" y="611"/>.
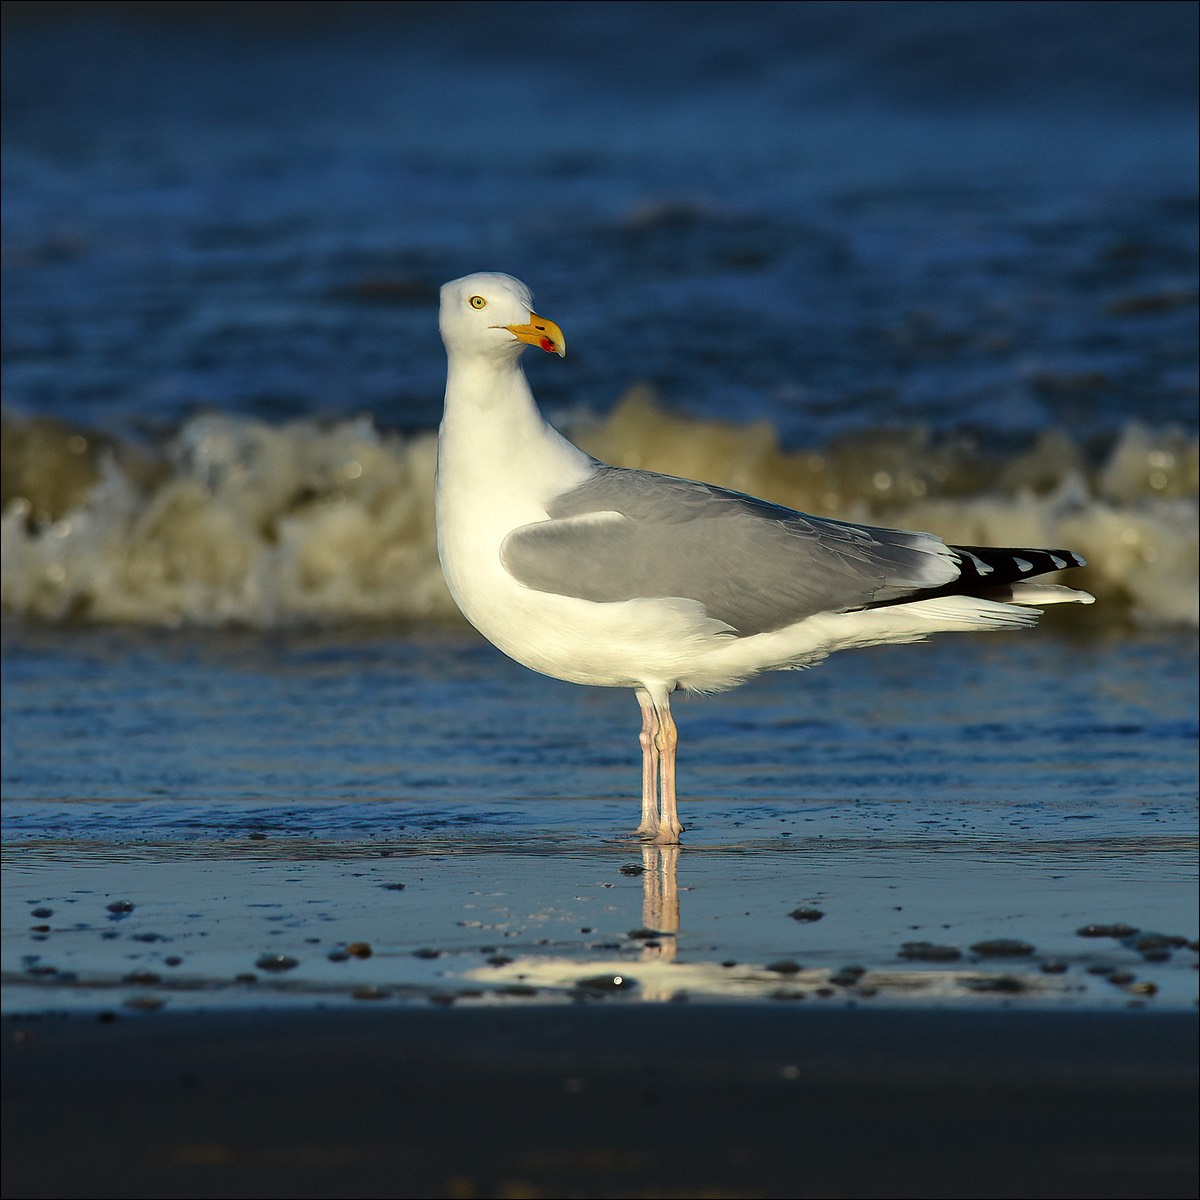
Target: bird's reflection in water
<point x="598" y="972"/>
<point x="660" y="901"/>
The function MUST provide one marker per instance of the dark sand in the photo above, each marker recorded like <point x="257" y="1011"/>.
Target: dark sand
<point x="603" y="1099"/>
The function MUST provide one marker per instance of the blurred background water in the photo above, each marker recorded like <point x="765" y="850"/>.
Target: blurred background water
<point x="927" y="265"/>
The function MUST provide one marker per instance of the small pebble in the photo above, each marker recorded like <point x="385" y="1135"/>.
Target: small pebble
<point x="606" y="983"/>
<point x="847" y="976"/>
<point x="1119" y="930"/>
<point x="276" y="962"/>
<point x="994" y="983"/>
<point x="929" y="952"/>
<point x="784" y="966"/>
<point x="786" y="994"/>
<point x="806" y="914"/>
<point x="1003" y="948"/>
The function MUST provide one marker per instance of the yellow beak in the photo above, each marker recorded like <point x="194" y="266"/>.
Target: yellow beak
<point x="541" y="332"/>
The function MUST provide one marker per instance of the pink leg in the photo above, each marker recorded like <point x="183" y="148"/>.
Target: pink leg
<point x="649" y="826"/>
<point x="666" y="739"/>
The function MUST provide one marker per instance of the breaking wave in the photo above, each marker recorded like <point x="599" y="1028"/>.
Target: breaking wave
<point x="237" y="522"/>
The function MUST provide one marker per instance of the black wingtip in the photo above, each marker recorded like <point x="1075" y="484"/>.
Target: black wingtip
<point x="992" y="566"/>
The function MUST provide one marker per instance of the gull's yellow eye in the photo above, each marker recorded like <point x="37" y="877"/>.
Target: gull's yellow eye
<point x="478" y="302"/>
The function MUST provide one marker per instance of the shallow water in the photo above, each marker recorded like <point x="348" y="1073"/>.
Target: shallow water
<point x="299" y="796"/>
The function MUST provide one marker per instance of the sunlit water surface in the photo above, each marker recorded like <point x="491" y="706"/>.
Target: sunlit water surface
<point x="343" y="819"/>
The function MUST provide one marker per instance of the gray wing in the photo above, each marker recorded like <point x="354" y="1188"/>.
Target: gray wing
<point x="625" y="534"/>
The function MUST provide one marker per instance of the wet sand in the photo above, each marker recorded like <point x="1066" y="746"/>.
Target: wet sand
<point x="602" y="1098"/>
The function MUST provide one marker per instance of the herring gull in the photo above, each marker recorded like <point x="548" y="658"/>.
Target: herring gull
<point x="614" y="577"/>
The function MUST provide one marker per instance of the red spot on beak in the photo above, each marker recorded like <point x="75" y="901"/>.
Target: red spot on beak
<point x="547" y="345"/>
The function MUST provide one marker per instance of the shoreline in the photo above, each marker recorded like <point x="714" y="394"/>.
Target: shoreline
<point x="602" y="1098"/>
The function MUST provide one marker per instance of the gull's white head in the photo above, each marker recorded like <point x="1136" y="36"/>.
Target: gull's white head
<point x="492" y="314"/>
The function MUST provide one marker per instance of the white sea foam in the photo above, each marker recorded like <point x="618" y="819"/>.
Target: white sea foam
<point x="239" y="522"/>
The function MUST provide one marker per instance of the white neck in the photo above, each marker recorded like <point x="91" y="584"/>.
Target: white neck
<point x="494" y="439"/>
